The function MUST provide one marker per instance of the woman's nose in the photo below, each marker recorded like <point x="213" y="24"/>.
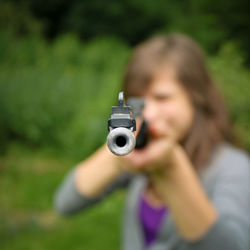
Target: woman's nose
<point x="150" y="111"/>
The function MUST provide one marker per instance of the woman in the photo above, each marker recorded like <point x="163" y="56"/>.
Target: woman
<point x="189" y="188"/>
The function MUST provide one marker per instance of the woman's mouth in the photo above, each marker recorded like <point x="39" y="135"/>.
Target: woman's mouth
<point x="153" y="133"/>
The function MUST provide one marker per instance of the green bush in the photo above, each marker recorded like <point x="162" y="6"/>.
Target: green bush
<point x="60" y="94"/>
<point x="233" y="81"/>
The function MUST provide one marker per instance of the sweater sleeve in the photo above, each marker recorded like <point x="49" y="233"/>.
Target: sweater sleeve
<point x="67" y="200"/>
<point x="231" y="197"/>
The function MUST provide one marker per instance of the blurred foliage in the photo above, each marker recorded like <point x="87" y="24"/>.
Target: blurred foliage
<point x="59" y="95"/>
<point x="210" y="22"/>
<point x="17" y="19"/>
<point x="233" y="81"/>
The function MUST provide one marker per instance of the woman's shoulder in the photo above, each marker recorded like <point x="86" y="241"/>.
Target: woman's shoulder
<point x="231" y="151"/>
<point x="228" y="159"/>
<point x="230" y="155"/>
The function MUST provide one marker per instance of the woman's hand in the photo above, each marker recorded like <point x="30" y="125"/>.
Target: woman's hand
<point x="156" y="155"/>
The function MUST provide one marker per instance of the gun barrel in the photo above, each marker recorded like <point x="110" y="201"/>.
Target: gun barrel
<point x="121" y="141"/>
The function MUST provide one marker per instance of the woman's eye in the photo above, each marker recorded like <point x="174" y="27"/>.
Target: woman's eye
<point x="164" y="97"/>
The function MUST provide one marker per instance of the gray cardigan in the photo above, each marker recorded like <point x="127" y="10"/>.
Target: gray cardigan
<point x="226" y="180"/>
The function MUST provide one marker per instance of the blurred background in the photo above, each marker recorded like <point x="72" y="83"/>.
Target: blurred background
<point x="61" y="65"/>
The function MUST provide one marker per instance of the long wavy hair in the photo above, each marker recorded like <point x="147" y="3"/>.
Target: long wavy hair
<point x="211" y="122"/>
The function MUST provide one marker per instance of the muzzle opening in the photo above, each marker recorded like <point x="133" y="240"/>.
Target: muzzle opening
<point x="121" y="141"/>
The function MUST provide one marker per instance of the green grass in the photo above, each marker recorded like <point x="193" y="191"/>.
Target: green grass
<point x="27" y="219"/>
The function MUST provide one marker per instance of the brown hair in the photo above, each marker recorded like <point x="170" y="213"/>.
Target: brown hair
<point x="211" y="124"/>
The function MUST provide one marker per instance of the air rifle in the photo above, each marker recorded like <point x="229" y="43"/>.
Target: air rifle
<point x="122" y="125"/>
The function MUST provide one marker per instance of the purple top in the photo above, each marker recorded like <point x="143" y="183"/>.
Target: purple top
<point x="150" y="219"/>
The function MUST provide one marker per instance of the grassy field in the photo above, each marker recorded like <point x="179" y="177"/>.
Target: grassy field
<point x="28" y="180"/>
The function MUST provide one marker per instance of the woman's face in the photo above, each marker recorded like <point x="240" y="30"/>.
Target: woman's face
<point x="168" y="108"/>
